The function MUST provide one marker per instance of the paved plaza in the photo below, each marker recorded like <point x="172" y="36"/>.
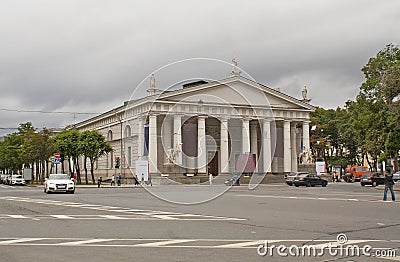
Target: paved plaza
<point x="132" y="224"/>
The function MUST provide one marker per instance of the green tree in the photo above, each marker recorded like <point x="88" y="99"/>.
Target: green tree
<point x="67" y="144"/>
<point x="93" y="145"/>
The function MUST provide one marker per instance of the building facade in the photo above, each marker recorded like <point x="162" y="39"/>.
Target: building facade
<point x="206" y="128"/>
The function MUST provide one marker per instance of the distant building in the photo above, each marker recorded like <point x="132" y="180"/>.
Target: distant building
<point x="205" y="127"/>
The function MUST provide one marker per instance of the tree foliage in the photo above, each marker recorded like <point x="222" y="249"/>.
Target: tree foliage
<point x="369" y="127"/>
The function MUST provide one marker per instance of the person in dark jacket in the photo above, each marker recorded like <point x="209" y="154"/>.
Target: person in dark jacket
<point x="99" y="182"/>
<point x="388" y="185"/>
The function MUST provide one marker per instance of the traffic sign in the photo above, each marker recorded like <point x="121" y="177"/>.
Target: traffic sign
<point x="57" y="155"/>
<point x="57" y="161"/>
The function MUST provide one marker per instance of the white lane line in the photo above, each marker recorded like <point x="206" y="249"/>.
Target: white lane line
<point x="165" y="217"/>
<point x="113" y="217"/>
<point x="148" y="213"/>
<point x="17" y="216"/>
<point x="164" y="243"/>
<point x="62" y="216"/>
<point x="247" y="243"/>
<point x="83" y="242"/>
<point x="313" y="198"/>
<point x="20" y="240"/>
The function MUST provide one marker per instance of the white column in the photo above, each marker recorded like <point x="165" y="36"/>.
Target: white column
<point x="306" y="135"/>
<point x="266" y="146"/>
<point x="293" y="149"/>
<point x="202" y="147"/>
<point x="224" y="146"/>
<point x="140" y="140"/>
<point x="153" y="144"/>
<point x="286" y="147"/>
<point x="178" y="137"/>
<point x="253" y="138"/>
<point x="166" y="137"/>
<point x="245" y="136"/>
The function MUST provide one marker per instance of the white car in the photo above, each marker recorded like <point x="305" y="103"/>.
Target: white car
<point x="16" y="180"/>
<point x="59" y="183"/>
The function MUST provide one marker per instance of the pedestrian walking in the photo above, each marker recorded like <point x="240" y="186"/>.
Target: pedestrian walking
<point x="113" y="180"/>
<point x="136" y="181"/>
<point x="119" y="180"/>
<point x="388" y="185"/>
<point x="210" y="178"/>
<point x="99" y="181"/>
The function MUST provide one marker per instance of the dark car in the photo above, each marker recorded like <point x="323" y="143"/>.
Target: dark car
<point x="291" y="176"/>
<point x="373" y="179"/>
<point x="309" y="180"/>
<point x="396" y="176"/>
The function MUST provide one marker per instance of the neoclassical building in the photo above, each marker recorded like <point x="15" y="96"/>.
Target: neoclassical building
<point x="234" y="125"/>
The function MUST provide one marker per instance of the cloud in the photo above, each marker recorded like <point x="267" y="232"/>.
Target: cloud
<point x="89" y="55"/>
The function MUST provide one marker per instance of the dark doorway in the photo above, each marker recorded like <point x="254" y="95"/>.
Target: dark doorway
<point x="213" y="163"/>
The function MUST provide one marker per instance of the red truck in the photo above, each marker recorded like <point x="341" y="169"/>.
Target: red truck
<point x="354" y="173"/>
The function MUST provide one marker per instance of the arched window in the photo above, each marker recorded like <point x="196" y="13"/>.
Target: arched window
<point x="128" y="132"/>
<point x="109" y="136"/>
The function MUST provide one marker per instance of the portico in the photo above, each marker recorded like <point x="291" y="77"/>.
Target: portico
<point x="208" y="127"/>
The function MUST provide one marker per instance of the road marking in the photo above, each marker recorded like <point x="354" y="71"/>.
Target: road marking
<point x="178" y="243"/>
<point x="61" y="216"/>
<point x="19" y="241"/>
<point x="164" y="243"/>
<point x="17" y="216"/>
<point x="139" y="213"/>
<point x="113" y="217"/>
<point x="84" y="242"/>
<point x="314" y="198"/>
<point x="247" y="243"/>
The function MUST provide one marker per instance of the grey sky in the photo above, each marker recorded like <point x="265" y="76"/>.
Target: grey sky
<point x="89" y="56"/>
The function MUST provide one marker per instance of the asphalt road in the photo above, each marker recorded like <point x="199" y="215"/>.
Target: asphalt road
<point x="130" y="224"/>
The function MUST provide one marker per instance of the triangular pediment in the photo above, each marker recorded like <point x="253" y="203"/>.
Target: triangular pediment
<point x="236" y="91"/>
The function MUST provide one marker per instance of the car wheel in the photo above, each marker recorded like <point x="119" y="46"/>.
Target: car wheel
<point x="296" y="185"/>
<point x="308" y="184"/>
<point x="362" y="184"/>
<point x="71" y="192"/>
<point x="324" y="184"/>
<point x="44" y="190"/>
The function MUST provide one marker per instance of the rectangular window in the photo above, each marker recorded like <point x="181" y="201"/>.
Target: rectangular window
<point x="129" y="156"/>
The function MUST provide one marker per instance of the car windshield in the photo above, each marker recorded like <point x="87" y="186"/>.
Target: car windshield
<point x="302" y="175"/>
<point x="59" y="176"/>
<point x="16" y="176"/>
<point x="361" y="169"/>
<point x="365" y="175"/>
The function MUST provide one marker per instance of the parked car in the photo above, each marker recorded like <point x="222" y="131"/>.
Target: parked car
<point x="291" y="176"/>
<point x="3" y="178"/>
<point x="396" y="176"/>
<point x="309" y="180"/>
<point x="16" y="180"/>
<point x="59" y="183"/>
<point x="373" y="179"/>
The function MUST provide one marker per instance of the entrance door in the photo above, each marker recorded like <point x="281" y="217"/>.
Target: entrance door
<point x="213" y="163"/>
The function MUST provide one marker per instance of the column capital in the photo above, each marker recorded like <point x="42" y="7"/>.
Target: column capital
<point x="246" y="118"/>
<point x="224" y="119"/>
<point x="202" y="116"/>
